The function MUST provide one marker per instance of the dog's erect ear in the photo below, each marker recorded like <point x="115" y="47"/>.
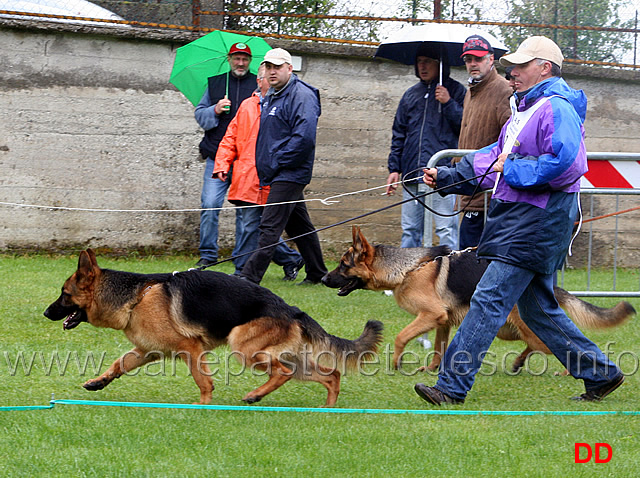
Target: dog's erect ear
<point x="361" y="247"/>
<point x="355" y="232"/>
<point x="87" y="267"/>
<point x="357" y="238"/>
<point x="92" y="257"/>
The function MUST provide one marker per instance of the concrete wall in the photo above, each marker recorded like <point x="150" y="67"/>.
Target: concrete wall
<point x="89" y="120"/>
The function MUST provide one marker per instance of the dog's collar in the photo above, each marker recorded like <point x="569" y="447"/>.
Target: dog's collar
<point x="144" y="292"/>
<point x="439" y="258"/>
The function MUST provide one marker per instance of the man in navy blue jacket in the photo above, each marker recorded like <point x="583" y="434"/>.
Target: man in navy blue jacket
<point x="427" y="120"/>
<point x="285" y="152"/>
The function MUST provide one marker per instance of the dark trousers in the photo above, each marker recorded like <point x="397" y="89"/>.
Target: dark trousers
<point x="471" y="228"/>
<point x="293" y="218"/>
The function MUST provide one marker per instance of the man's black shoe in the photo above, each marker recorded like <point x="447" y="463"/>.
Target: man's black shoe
<point x="308" y="281"/>
<point x="598" y="394"/>
<point x="205" y="262"/>
<point x="435" y="396"/>
<point x="291" y="272"/>
<point x="245" y="278"/>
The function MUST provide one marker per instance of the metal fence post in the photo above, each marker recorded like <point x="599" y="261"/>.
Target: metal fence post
<point x="195" y="13"/>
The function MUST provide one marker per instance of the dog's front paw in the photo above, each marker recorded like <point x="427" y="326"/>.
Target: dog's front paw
<point x="251" y="399"/>
<point x="94" y="385"/>
<point x="516" y="367"/>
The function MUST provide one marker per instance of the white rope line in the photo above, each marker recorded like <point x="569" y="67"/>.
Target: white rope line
<point x="327" y="202"/>
<point x="64" y="208"/>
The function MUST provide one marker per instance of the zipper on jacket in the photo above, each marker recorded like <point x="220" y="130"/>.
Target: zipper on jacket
<point x="235" y="101"/>
<point x="424" y="120"/>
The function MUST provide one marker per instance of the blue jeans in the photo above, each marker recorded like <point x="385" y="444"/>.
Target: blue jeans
<point x="500" y="288"/>
<point x="412" y="219"/>
<point x="213" y="193"/>
<point x="247" y="242"/>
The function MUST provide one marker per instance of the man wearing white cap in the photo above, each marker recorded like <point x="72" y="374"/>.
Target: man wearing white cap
<point x="541" y="156"/>
<point x="285" y="152"/>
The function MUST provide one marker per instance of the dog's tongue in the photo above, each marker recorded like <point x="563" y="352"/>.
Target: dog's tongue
<point x="348" y="288"/>
<point x="71" y="321"/>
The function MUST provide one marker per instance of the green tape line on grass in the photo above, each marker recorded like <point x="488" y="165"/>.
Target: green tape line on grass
<point x="26" y="407"/>
<point x="247" y="408"/>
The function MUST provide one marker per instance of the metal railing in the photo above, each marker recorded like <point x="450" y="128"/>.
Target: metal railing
<point x="592" y="192"/>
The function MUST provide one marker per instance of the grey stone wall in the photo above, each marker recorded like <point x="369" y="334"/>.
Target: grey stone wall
<point x="88" y="120"/>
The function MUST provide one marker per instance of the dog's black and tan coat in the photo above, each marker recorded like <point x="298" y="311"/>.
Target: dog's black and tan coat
<point x="436" y="286"/>
<point x="192" y="312"/>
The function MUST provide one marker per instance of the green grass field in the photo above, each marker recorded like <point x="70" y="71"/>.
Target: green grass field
<point x="38" y="358"/>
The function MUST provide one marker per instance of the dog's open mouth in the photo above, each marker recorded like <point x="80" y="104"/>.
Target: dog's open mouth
<point x="72" y="314"/>
<point x="73" y="320"/>
<point x="353" y="284"/>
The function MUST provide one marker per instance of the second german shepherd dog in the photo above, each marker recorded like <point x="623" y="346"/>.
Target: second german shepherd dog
<point x="436" y="286"/>
<point x="189" y="313"/>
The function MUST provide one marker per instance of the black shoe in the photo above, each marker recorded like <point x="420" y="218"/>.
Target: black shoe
<point x="245" y="278"/>
<point x="291" y="272"/>
<point x="308" y="281"/>
<point x="598" y="394"/>
<point x="435" y="396"/>
<point x="205" y="262"/>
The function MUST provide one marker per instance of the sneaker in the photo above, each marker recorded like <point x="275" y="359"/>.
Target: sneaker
<point x="205" y="262"/>
<point x="308" y="281"/>
<point x="291" y="272"/>
<point x="598" y="394"/>
<point x="435" y="396"/>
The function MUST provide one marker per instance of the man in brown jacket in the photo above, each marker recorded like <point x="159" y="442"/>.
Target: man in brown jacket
<point x="486" y="110"/>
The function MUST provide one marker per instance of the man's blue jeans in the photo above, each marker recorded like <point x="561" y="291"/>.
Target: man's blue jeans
<point x="412" y="219"/>
<point x="213" y="193"/>
<point x="500" y="288"/>
<point x="247" y="242"/>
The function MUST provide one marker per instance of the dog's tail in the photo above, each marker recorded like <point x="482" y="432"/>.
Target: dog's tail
<point x="591" y="316"/>
<point x="337" y="352"/>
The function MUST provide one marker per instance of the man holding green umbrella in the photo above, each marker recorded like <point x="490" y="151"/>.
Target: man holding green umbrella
<point x="216" y="109"/>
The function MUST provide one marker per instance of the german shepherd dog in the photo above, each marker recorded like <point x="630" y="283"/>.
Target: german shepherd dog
<point x="436" y="286"/>
<point x="189" y="313"/>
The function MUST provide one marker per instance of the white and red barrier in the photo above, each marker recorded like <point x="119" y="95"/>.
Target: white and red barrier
<point x="612" y="174"/>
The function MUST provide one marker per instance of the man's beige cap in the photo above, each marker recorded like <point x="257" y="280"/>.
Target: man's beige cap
<point x="277" y="56"/>
<point x="531" y="48"/>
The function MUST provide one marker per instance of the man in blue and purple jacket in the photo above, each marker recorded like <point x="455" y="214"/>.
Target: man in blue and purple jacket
<point x="539" y="159"/>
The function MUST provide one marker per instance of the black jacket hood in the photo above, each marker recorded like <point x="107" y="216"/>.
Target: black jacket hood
<point x="431" y="52"/>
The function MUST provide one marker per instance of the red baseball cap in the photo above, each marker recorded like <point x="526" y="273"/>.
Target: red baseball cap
<point x="240" y="48"/>
<point x="477" y="46"/>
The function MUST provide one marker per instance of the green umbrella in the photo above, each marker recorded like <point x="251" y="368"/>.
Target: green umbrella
<point x="207" y="56"/>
